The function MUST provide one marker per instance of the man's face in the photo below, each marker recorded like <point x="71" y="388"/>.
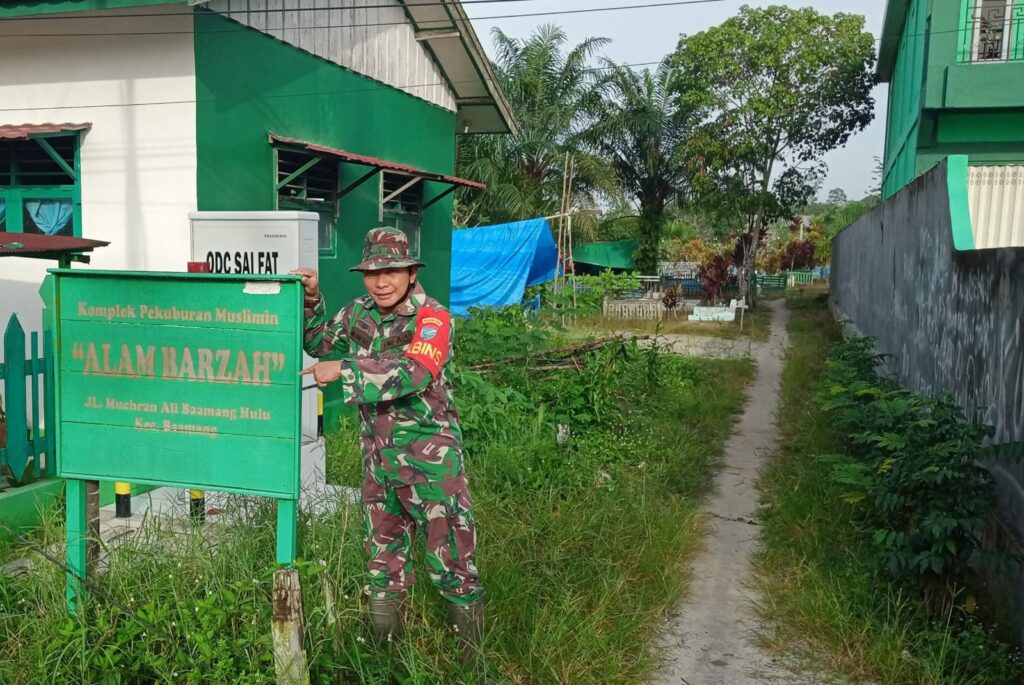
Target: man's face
<point x="387" y="287"/>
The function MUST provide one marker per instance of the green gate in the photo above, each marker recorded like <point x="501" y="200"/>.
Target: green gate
<point x="27" y="406"/>
<point x="28" y="451"/>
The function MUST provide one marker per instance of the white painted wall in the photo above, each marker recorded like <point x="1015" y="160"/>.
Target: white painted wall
<point x="371" y="37"/>
<point x="139" y="158"/>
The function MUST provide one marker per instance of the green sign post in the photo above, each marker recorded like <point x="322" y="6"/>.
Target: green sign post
<point x="180" y="380"/>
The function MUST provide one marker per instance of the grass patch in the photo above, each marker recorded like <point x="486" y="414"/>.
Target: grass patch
<point x="756" y="326"/>
<point x="817" y="568"/>
<point x="582" y="548"/>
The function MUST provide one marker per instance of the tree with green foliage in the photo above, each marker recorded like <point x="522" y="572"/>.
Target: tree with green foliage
<point x="776" y="88"/>
<point x="835" y="219"/>
<point x="554" y="95"/>
<point x="837" y="196"/>
<point x="638" y="127"/>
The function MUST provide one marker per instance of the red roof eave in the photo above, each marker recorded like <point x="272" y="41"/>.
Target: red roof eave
<point x="376" y="162"/>
<point x="46" y="246"/>
<point x="26" y="131"/>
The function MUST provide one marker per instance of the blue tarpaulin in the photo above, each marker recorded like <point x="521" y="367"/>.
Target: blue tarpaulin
<point x="493" y="265"/>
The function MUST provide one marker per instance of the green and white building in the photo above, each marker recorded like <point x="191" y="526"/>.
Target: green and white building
<point x="955" y="70"/>
<point x="119" y="117"/>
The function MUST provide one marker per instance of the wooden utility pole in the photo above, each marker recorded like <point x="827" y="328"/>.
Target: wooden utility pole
<point x="289" y="653"/>
<point x="92" y="526"/>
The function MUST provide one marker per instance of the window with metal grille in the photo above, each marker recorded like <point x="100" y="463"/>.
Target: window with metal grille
<point x="401" y="205"/>
<point x="993" y="31"/>
<point x="309" y="183"/>
<point x="39" y="188"/>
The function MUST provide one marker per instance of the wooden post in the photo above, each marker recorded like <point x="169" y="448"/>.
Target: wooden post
<point x="289" y="654"/>
<point x="92" y="522"/>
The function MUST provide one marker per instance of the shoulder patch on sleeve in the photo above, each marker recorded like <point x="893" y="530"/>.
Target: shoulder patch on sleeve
<point x="429" y="344"/>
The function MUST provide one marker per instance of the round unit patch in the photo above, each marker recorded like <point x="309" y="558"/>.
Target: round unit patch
<point x="428" y="333"/>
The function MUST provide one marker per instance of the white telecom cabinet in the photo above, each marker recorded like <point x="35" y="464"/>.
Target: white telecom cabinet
<point x="260" y="243"/>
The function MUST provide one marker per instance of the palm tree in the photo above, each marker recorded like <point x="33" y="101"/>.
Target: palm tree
<point x="553" y="95"/>
<point x="638" y="127"/>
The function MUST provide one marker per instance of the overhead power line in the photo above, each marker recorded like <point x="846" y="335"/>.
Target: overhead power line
<point x="425" y="24"/>
<point x="376" y="88"/>
<point x="392" y="5"/>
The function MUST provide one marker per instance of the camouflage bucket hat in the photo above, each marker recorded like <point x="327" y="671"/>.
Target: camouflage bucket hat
<point x="386" y="248"/>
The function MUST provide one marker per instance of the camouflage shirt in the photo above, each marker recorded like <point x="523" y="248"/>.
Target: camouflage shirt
<point x="397" y="369"/>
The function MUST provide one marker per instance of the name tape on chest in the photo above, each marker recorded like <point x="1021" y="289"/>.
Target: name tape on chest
<point x="429" y="344"/>
<point x="363" y="332"/>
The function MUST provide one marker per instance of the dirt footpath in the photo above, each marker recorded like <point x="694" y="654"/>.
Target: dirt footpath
<point x="712" y="638"/>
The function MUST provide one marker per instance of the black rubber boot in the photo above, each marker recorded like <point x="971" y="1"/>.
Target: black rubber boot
<point x="386" y="619"/>
<point x="467" y="622"/>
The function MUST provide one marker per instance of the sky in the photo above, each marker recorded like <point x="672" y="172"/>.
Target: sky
<point x="647" y="35"/>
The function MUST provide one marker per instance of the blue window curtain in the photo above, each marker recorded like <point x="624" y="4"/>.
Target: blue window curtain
<point x="49" y="216"/>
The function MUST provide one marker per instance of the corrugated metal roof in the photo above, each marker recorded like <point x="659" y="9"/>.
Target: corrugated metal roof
<point x="365" y="160"/>
<point x="39" y="245"/>
<point x="448" y="33"/>
<point x="24" y="131"/>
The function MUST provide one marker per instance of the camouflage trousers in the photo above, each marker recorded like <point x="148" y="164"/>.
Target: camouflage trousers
<point x="391" y="515"/>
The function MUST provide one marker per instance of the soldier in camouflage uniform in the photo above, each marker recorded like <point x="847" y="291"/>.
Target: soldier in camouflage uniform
<point x="394" y="347"/>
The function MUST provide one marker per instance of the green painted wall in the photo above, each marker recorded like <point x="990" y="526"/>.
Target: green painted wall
<point x="250" y="84"/>
<point x="981" y="86"/>
<point x="905" y="92"/>
<point x="949" y="107"/>
<point x="944" y="25"/>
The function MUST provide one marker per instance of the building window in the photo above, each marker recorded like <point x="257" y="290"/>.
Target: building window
<point x="401" y="205"/>
<point x="309" y="183"/>
<point x="992" y="31"/>
<point x="39" y="185"/>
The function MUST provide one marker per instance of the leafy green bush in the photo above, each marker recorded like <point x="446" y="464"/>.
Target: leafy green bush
<point x="497" y="333"/>
<point x="824" y="590"/>
<point x="911" y="466"/>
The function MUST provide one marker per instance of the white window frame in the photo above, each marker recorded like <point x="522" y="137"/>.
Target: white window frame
<point x="976" y="32"/>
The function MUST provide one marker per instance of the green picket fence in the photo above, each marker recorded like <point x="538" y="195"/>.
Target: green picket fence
<point x="30" y="453"/>
<point x="801" y="276"/>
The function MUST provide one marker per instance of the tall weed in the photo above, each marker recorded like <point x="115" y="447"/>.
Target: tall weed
<point x="582" y="547"/>
<point x="825" y="579"/>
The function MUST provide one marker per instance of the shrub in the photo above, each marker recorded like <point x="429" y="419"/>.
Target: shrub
<point x="714" y="277"/>
<point x="912" y="469"/>
<point x="494" y="333"/>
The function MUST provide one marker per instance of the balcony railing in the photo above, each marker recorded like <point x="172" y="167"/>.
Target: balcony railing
<point x="993" y="31"/>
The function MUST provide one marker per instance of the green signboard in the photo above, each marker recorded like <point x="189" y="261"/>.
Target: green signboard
<point x="180" y="380"/>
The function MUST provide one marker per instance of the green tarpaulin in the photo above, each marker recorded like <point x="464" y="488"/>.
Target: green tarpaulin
<point x="617" y="254"/>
